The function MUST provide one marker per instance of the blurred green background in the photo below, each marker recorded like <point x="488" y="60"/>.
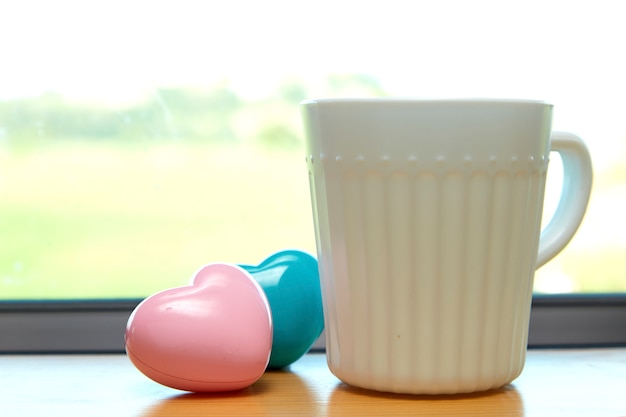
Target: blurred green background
<point x="118" y="200"/>
<point x="121" y="199"/>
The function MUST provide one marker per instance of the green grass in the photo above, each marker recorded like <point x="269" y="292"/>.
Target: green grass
<point x="91" y="221"/>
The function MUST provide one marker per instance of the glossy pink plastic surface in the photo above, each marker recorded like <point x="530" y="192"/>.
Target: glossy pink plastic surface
<point x="214" y="335"/>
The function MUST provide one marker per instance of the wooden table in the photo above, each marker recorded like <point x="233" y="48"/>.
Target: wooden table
<point x="589" y="383"/>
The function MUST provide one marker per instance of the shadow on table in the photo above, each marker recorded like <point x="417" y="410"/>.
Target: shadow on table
<point x="260" y="399"/>
<point x="348" y="400"/>
<point x="285" y="393"/>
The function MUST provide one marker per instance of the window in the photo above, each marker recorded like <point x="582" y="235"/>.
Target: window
<point x="140" y="140"/>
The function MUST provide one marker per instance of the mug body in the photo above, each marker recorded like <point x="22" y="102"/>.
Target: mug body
<point x="427" y="216"/>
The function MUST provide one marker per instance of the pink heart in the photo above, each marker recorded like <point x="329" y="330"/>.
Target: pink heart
<point x="214" y="335"/>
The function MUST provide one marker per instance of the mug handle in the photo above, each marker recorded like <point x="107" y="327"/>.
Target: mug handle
<point x="577" y="179"/>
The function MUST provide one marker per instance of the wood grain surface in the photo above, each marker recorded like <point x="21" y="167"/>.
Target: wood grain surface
<point x="554" y="383"/>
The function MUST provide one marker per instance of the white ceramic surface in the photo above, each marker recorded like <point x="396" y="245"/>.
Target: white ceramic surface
<point x="427" y="216"/>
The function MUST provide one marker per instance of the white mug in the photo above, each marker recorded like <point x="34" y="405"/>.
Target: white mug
<point x="427" y="216"/>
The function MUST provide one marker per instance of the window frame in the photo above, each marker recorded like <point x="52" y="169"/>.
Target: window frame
<point x="97" y="326"/>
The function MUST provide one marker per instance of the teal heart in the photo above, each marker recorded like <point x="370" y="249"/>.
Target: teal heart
<point x="291" y="282"/>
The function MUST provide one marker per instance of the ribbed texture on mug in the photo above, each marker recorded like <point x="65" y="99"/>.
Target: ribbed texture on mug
<point x="429" y="279"/>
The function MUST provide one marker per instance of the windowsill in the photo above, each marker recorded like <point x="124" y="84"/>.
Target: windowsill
<point x="97" y="326"/>
<point x="566" y="382"/>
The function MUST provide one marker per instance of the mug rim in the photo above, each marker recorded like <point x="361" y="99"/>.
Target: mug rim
<point x="417" y="100"/>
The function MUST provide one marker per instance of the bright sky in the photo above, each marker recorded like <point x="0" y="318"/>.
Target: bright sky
<point x="567" y="52"/>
